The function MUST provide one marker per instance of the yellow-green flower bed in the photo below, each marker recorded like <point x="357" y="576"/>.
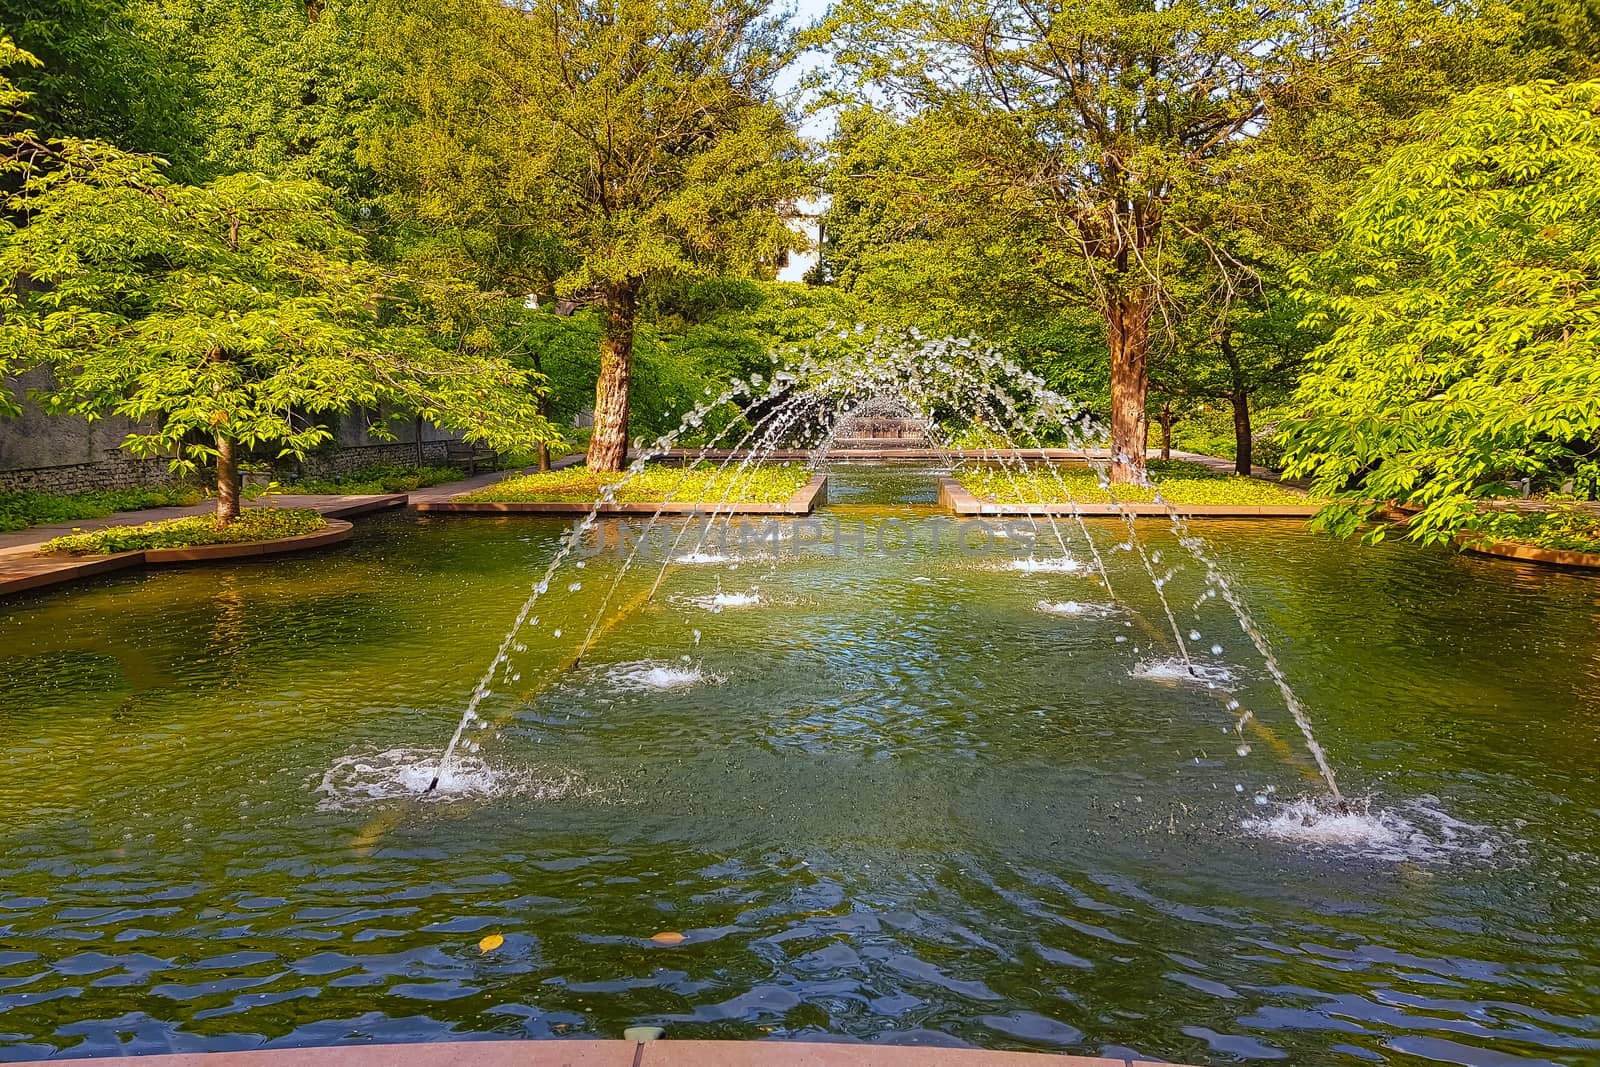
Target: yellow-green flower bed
<point x="1179" y="483"/>
<point x="253" y="524"/>
<point x="652" y="485"/>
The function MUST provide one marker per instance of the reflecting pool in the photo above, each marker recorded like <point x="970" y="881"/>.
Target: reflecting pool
<point x="910" y="794"/>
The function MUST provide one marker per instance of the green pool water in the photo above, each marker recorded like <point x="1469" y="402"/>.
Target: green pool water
<point x="893" y="800"/>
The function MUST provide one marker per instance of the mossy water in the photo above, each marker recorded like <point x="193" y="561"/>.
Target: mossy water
<point x="895" y="793"/>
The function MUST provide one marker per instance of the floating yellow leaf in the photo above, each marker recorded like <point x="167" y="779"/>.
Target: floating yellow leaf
<point x="668" y="937"/>
<point x="490" y="943"/>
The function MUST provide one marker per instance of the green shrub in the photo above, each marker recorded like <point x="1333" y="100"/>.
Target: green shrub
<point x="382" y="478"/>
<point x="1179" y="483"/>
<point x="653" y="484"/>
<point x="253" y="524"/>
<point x="19" y="510"/>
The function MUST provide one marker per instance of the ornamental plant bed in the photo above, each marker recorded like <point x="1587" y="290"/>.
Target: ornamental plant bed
<point x="786" y="489"/>
<point x="652" y="485"/>
<point x="1191" y="488"/>
<point x="252" y="525"/>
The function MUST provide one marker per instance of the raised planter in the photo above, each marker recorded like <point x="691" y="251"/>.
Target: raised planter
<point x="1560" y="557"/>
<point x="805" y="500"/>
<point x="1555" y="557"/>
<point x="958" y="499"/>
<point x="337" y="530"/>
<point x="19" y="574"/>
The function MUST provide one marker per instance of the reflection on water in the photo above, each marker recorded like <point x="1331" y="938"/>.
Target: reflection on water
<point x="904" y="798"/>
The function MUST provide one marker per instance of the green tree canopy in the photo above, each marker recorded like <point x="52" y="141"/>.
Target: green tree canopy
<point x="230" y="314"/>
<point x="1464" y="302"/>
<point x="1101" y="123"/>
<point x="591" y="149"/>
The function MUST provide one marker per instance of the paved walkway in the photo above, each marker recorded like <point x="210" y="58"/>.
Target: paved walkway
<point x="667" y="1053"/>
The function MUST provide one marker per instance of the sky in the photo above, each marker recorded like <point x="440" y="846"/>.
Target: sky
<point x="814" y="127"/>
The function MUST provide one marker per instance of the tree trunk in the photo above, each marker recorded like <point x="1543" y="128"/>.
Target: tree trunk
<point x="1241" y="431"/>
<point x="1165" y="415"/>
<point x="227" y="481"/>
<point x="416" y="433"/>
<point x="1239" y="397"/>
<point x="1128" y="336"/>
<point x="544" y="409"/>
<point x="608" y="446"/>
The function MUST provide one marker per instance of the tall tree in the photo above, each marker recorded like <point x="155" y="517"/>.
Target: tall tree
<point x="1116" y="131"/>
<point x="594" y="147"/>
<point x="1465" y="306"/>
<point x="1098" y="118"/>
<point x="226" y="316"/>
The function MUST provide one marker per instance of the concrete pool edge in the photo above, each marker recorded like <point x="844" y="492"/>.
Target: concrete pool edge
<point x="561" y="1052"/>
<point x="955" y="497"/>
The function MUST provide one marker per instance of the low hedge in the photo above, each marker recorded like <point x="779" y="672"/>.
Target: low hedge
<point x="370" y="481"/>
<point x="21" y="509"/>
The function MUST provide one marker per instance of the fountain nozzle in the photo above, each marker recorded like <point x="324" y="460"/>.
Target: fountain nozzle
<point x="431" y="786"/>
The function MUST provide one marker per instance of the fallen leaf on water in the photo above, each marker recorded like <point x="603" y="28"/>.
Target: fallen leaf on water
<point x="490" y="943"/>
<point x="668" y="937"/>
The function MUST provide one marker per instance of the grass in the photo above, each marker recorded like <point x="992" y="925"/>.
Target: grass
<point x="653" y="484"/>
<point x="1561" y="528"/>
<point x="253" y="524"/>
<point x="21" y="509"/>
<point x="1179" y="482"/>
<point x="384" y="478"/>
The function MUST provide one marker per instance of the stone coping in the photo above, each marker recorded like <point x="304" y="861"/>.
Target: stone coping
<point x="805" y="500"/>
<point x="664" y="1053"/>
<point x="19" y="575"/>
<point x="958" y="499"/>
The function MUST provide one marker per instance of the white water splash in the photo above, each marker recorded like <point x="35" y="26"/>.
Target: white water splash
<point x="404" y="773"/>
<point x="703" y="557"/>
<point x="1074" y="607"/>
<point x="647" y="676"/>
<point x="1054" y="565"/>
<point x="719" y="601"/>
<point x="1417" y="831"/>
<point x="1177" y="671"/>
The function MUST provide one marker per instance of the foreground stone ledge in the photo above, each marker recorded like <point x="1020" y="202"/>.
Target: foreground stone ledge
<point x="667" y="1053"/>
<point x="805" y="500"/>
<point x="957" y="498"/>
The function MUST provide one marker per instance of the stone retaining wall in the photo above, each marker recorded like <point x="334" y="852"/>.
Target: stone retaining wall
<point x="113" y="472"/>
<point x="121" y="471"/>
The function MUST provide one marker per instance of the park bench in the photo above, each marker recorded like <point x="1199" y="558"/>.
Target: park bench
<point x="469" y="456"/>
